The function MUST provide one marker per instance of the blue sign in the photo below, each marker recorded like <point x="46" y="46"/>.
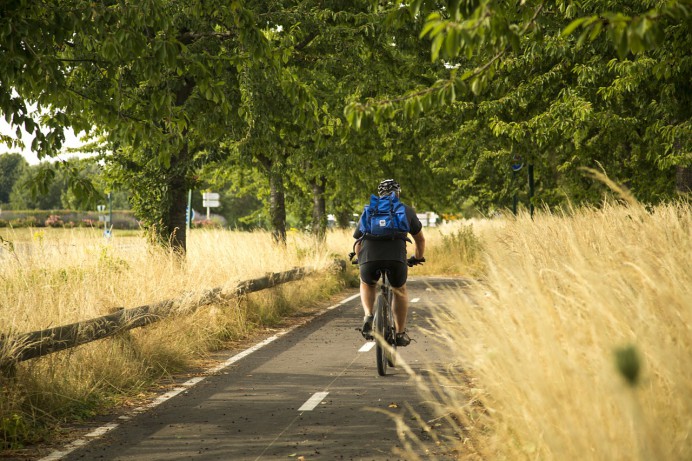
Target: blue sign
<point x="517" y="163"/>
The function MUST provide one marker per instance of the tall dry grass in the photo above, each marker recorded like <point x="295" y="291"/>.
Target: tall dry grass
<point x="55" y="277"/>
<point x="569" y="307"/>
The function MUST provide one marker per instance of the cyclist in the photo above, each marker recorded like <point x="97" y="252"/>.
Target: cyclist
<point x="388" y="255"/>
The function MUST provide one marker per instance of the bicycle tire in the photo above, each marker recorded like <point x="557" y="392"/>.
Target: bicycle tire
<point x="391" y="331"/>
<point x="380" y="325"/>
<point x="391" y="353"/>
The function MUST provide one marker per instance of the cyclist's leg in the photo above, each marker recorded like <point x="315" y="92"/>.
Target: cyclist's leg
<point x="367" y="296"/>
<point x="398" y="274"/>
<point x="400" y="308"/>
<point x="369" y="275"/>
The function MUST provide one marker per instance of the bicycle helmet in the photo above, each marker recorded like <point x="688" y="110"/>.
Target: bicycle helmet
<point x="388" y="186"/>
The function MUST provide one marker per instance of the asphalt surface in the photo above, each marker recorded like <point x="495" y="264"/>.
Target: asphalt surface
<point x="261" y="407"/>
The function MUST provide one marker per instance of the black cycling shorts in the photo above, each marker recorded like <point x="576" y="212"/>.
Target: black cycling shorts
<point x="398" y="271"/>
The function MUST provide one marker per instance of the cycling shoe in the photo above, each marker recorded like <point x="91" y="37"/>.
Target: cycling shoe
<point x="366" y="331"/>
<point x="402" y="339"/>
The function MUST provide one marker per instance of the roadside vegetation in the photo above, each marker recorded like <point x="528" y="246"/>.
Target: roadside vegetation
<point x="54" y="277"/>
<point x="575" y="343"/>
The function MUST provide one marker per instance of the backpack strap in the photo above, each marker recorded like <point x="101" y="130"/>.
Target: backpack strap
<point x="397" y="236"/>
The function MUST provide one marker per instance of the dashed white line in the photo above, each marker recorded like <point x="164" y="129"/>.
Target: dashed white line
<point x="313" y="401"/>
<point x="102" y="430"/>
<point x="58" y="455"/>
<point x="350" y="298"/>
<point x="367" y="346"/>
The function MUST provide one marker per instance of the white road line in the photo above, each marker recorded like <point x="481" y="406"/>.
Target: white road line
<point x="191" y="382"/>
<point x="313" y="401"/>
<point x="367" y="346"/>
<point x="162" y="398"/>
<point x="415" y="300"/>
<point x="58" y="455"/>
<point x="102" y="430"/>
<point x="350" y="298"/>
<point x="99" y="432"/>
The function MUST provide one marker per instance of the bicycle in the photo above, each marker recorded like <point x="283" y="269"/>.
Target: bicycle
<point x="383" y="326"/>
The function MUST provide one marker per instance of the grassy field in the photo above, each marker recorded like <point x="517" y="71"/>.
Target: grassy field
<point x="577" y="341"/>
<point x="573" y="341"/>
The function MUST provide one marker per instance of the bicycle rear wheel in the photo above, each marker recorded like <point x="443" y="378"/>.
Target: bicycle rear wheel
<point x="391" y="339"/>
<point x="390" y="335"/>
<point x="380" y="325"/>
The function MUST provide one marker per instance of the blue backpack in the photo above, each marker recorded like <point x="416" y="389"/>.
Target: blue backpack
<point x="384" y="218"/>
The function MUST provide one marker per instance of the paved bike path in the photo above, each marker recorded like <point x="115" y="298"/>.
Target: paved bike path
<point x="260" y="408"/>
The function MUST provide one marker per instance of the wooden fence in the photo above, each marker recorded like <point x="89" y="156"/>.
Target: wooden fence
<point x="17" y="348"/>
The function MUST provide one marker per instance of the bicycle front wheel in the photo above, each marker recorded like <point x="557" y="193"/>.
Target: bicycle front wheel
<point x="379" y="326"/>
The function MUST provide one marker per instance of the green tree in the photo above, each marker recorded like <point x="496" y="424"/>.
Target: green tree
<point x="521" y="83"/>
<point x="39" y="187"/>
<point x="341" y="49"/>
<point x="53" y="186"/>
<point x="11" y="167"/>
<point x="157" y="80"/>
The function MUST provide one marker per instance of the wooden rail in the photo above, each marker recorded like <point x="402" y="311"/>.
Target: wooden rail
<point x="17" y="348"/>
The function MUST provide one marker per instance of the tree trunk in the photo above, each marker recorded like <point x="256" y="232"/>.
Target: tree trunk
<point x="175" y="224"/>
<point x="319" y="215"/>
<point x="683" y="179"/>
<point x="277" y="206"/>
<point x="177" y="208"/>
<point x="277" y="200"/>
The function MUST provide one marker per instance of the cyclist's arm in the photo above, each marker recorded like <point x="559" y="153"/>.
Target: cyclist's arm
<point x="419" y="239"/>
<point x="356" y="248"/>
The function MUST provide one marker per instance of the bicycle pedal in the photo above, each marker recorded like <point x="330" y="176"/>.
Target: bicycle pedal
<point x="367" y="337"/>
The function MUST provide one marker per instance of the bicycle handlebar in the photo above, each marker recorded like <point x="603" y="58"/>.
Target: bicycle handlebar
<point x="413" y="261"/>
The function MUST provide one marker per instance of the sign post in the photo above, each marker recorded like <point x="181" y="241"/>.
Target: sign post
<point x="189" y="214"/>
<point x="106" y="218"/>
<point x="531" y="189"/>
<point x="517" y="164"/>
<point x="210" y="200"/>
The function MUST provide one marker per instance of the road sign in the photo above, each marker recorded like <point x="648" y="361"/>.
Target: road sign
<point x="211" y="196"/>
<point x="516" y="163"/>
<point x="211" y="203"/>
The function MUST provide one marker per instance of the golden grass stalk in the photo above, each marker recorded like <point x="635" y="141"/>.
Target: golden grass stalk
<point x="563" y="297"/>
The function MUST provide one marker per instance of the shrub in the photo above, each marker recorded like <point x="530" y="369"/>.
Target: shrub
<point x="207" y="224"/>
<point x="27" y="221"/>
<point x="54" y="221"/>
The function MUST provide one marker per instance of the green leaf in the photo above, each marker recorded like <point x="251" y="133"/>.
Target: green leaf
<point x="572" y="26"/>
<point x="451" y="45"/>
<point x="476" y="86"/>
<point x="431" y="22"/>
<point x="436" y="46"/>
